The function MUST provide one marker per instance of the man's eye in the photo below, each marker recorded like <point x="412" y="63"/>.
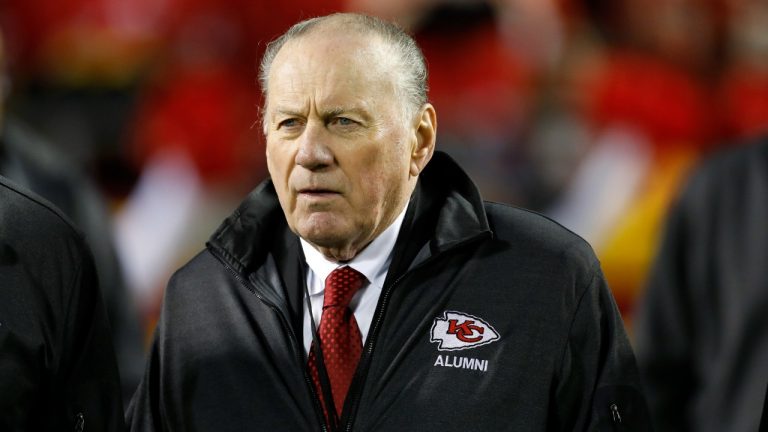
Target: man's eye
<point x="343" y="121"/>
<point x="288" y="123"/>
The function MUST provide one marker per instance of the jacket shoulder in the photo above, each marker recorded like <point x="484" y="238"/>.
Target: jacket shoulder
<point x="540" y="236"/>
<point x="33" y="223"/>
<point x="729" y="174"/>
<point x="199" y="267"/>
<point x="198" y="283"/>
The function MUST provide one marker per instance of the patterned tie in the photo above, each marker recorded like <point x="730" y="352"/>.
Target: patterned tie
<point x="339" y="335"/>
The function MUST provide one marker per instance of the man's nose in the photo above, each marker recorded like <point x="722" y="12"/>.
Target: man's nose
<point x="314" y="152"/>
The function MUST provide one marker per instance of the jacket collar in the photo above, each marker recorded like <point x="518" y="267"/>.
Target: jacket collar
<point x="446" y="210"/>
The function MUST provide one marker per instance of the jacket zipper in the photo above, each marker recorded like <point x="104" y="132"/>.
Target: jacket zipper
<point x="379" y="318"/>
<point x="294" y="341"/>
<point x="369" y="349"/>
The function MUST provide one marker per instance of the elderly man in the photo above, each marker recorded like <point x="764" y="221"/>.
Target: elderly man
<point x="361" y="288"/>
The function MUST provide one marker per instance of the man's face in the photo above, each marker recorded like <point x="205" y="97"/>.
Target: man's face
<point x="338" y="143"/>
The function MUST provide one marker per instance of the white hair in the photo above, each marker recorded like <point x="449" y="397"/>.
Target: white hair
<point x="411" y="70"/>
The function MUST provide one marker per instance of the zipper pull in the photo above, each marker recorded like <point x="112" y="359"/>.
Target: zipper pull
<point x="615" y="413"/>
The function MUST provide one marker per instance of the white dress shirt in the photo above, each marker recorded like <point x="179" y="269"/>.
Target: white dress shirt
<point x="373" y="262"/>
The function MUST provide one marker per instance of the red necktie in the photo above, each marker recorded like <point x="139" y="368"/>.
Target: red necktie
<point x="339" y="335"/>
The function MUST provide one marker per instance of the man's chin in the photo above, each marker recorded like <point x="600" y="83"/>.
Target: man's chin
<point x="325" y="234"/>
<point x="333" y="244"/>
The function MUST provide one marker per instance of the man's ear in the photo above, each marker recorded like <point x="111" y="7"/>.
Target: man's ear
<point x="424" y="145"/>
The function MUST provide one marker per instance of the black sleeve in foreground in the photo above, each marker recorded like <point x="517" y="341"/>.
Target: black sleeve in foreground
<point x="87" y="384"/>
<point x="58" y="365"/>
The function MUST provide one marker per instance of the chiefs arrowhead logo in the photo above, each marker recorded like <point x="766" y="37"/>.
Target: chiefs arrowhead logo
<point x="458" y="331"/>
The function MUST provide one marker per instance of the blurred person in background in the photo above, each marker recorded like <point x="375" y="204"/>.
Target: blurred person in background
<point x="701" y="333"/>
<point x="362" y="222"/>
<point x="32" y="161"/>
<point x="57" y="365"/>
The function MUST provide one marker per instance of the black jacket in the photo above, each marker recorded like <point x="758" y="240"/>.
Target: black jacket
<point x="36" y="164"/>
<point x="702" y="329"/>
<point x="553" y="354"/>
<point x="57" y="365"/>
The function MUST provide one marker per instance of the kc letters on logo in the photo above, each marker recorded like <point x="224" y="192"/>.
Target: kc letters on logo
<point x="458" y="331"/>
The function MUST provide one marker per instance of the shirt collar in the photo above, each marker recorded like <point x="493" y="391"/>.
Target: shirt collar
<point x="373" y="261"/>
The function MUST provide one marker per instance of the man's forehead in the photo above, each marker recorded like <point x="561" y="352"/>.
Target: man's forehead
<point x="330" y="92"/>
<point x="326" y="67"/>
<point x="334" y="45"/>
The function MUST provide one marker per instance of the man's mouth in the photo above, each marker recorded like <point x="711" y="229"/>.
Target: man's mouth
<point x="317" y="192"/>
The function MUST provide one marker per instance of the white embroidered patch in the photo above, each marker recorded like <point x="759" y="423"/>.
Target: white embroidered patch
<point x="458" y="331"/>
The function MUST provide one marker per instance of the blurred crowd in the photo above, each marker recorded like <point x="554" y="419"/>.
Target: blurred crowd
<point x="589" y="111"/>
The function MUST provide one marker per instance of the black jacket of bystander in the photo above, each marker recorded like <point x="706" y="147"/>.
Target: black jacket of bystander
<point x="57" y="363"/>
